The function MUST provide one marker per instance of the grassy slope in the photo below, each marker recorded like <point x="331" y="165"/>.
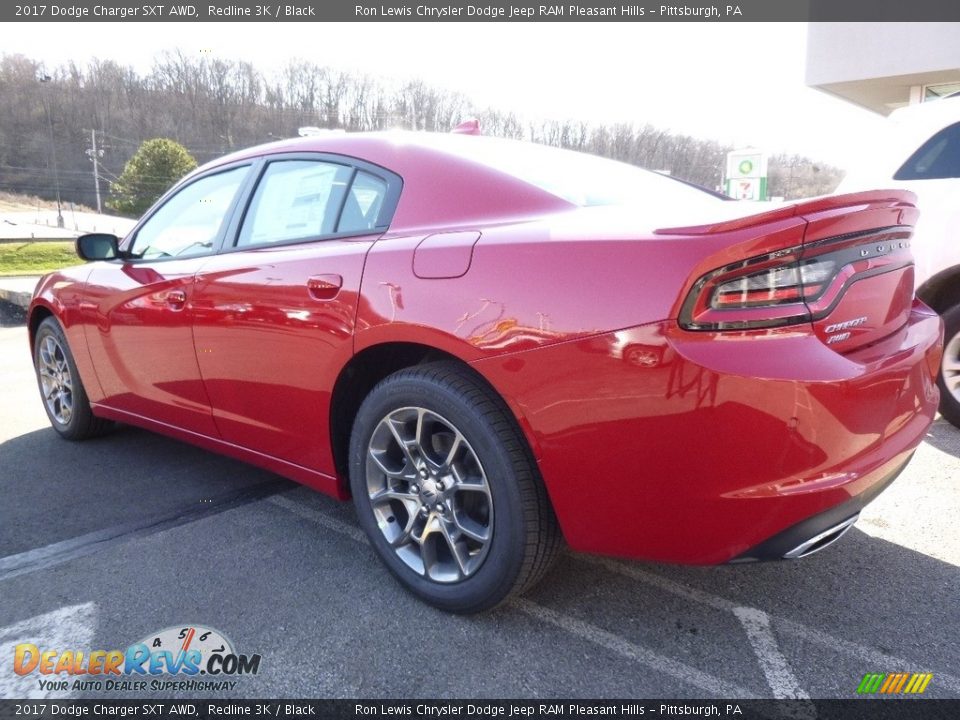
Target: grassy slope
<point x="36" y="258"/>
<point x="14" y="202"/>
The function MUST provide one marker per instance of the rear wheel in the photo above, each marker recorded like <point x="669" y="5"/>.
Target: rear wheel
<point x="447" y="490"/>
<point x="63" y="395"/>
<point x="949" y="379"/>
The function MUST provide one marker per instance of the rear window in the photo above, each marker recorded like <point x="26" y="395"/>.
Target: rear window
<point x="937" y="158"/>
<point x="578" y="178"/>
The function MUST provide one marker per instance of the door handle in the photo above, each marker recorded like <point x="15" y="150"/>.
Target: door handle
<point x="176" y="299"/>
<point x="324" y="287"/>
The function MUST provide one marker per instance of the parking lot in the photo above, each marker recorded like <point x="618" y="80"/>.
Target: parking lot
<point x="106" y="542"/>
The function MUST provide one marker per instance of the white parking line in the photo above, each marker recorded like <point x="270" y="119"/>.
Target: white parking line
<point x="871" y="656"/>
<point x="780" y="677"/>
<point x="674" y="668"/>
<point x="67" y="627"/>
<point x="635" y="572"/>
<point x="639" y="654"/>
<point x="321" y="518"/>
<point x="867" y="654"/>
<point x="783" y="683"/>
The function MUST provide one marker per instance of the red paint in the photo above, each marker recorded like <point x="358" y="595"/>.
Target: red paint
<point x="654" y="441"/>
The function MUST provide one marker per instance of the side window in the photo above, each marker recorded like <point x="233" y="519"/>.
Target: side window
<point x="363" y="203"/>
<point x="938" y="157"/>
<point x="295" y="199"/>
<point x="189" y="222"/>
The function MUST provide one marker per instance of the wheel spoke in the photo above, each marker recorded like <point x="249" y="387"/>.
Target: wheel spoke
<point x="403" y="443"/>
<point x="454" y="449"/>
<point x="66" y="409"/>
<point x="394" y="474"/>
<point x="953" y="383"/>
<point x="457" y="550"/>
<point x="428" y="556"/>
<point x="405" y="536"/>
<point x="48" y="351"/>
<point x="950" y="366"/>
<point x="429" y="527"/>
<point x="389" y="494"/>
<point x="464" y="483"/>
<point x="472" y="529"/>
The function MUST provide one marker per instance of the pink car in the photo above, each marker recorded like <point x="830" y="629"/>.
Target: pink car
<point x="494" y="346"/>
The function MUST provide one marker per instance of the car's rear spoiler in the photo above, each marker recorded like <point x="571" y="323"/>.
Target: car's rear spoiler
<point x="794" y="209"/>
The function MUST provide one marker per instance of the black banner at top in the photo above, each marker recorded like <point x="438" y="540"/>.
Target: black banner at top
<point x="481" y="11"/>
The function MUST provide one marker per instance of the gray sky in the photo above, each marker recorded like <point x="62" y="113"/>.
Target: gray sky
<point x="740" y="83"/>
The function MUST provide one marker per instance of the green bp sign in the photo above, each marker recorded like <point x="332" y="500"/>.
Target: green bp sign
<point x="746" y="177"/>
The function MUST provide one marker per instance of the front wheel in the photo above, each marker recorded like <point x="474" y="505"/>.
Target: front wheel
<point x="447" y="490"/>
<point x="64" y="397"/>
<point x="949" y="378"/>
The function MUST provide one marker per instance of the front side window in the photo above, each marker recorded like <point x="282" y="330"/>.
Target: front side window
<point x="295" y="200"/>
<point x="937" y="158"/>
<point x="190" y="221"/>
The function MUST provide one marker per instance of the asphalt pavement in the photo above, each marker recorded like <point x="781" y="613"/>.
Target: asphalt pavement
<point x="106" y="542"/>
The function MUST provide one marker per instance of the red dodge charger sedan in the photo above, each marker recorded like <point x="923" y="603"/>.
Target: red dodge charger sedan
<point x="493" y="346"/>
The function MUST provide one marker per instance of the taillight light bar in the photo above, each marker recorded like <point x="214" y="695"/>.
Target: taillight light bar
<point x="794" y="285"/>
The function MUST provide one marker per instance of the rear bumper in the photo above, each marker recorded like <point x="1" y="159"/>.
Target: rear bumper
<point x="820" y="531"/>
<point x="681" y="447"/>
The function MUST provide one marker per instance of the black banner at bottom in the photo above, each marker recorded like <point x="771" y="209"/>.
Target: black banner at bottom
<point x="858" y="709"/>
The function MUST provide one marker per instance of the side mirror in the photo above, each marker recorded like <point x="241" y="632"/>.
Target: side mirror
<point x="98" y="246"/>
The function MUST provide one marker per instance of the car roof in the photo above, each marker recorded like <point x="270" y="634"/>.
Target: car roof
<point x="453" y="180"/>
<point x="922" y="121"/>
<point x="448" y="189"/>
<point x="393" y="149"/>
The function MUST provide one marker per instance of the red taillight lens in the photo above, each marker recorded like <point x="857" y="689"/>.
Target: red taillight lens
<point x="793" y="285"/>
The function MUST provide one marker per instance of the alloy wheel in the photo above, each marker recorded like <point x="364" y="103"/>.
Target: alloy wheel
<point x="56" y="382"/>
<point x="429" y="494"/>
<point x="950" y="366"/>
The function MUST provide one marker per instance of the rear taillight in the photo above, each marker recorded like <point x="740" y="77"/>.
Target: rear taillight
<point x="794" y="285"/>
<point x="799" y="281"/>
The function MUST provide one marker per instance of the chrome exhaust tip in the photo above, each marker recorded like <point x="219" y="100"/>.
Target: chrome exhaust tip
<point x="821" y="540"/>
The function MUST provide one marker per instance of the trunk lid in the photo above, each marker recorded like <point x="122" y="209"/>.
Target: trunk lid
<point x="870" y="242"/>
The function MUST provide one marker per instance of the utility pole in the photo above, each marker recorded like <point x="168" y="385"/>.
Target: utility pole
<point x="95" y="156"/>
<point x="53" y="151"/>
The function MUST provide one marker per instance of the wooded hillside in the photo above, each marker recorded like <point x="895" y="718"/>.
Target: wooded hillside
<point x="213" y="106"/>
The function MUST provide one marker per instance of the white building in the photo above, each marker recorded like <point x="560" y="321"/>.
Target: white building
<point x="883" y="66"/>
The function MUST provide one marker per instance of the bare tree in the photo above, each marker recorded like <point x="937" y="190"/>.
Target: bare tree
<point x="213" y="105"/>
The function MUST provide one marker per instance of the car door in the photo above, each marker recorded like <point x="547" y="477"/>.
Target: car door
<point x="274" y="315"/>
<point x="141" y="340"/>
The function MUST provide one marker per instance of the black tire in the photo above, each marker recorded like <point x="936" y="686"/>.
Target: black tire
<point x="950" y="400"/>
<point x="524" y="539"/>
<point x="81" y="423"/>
